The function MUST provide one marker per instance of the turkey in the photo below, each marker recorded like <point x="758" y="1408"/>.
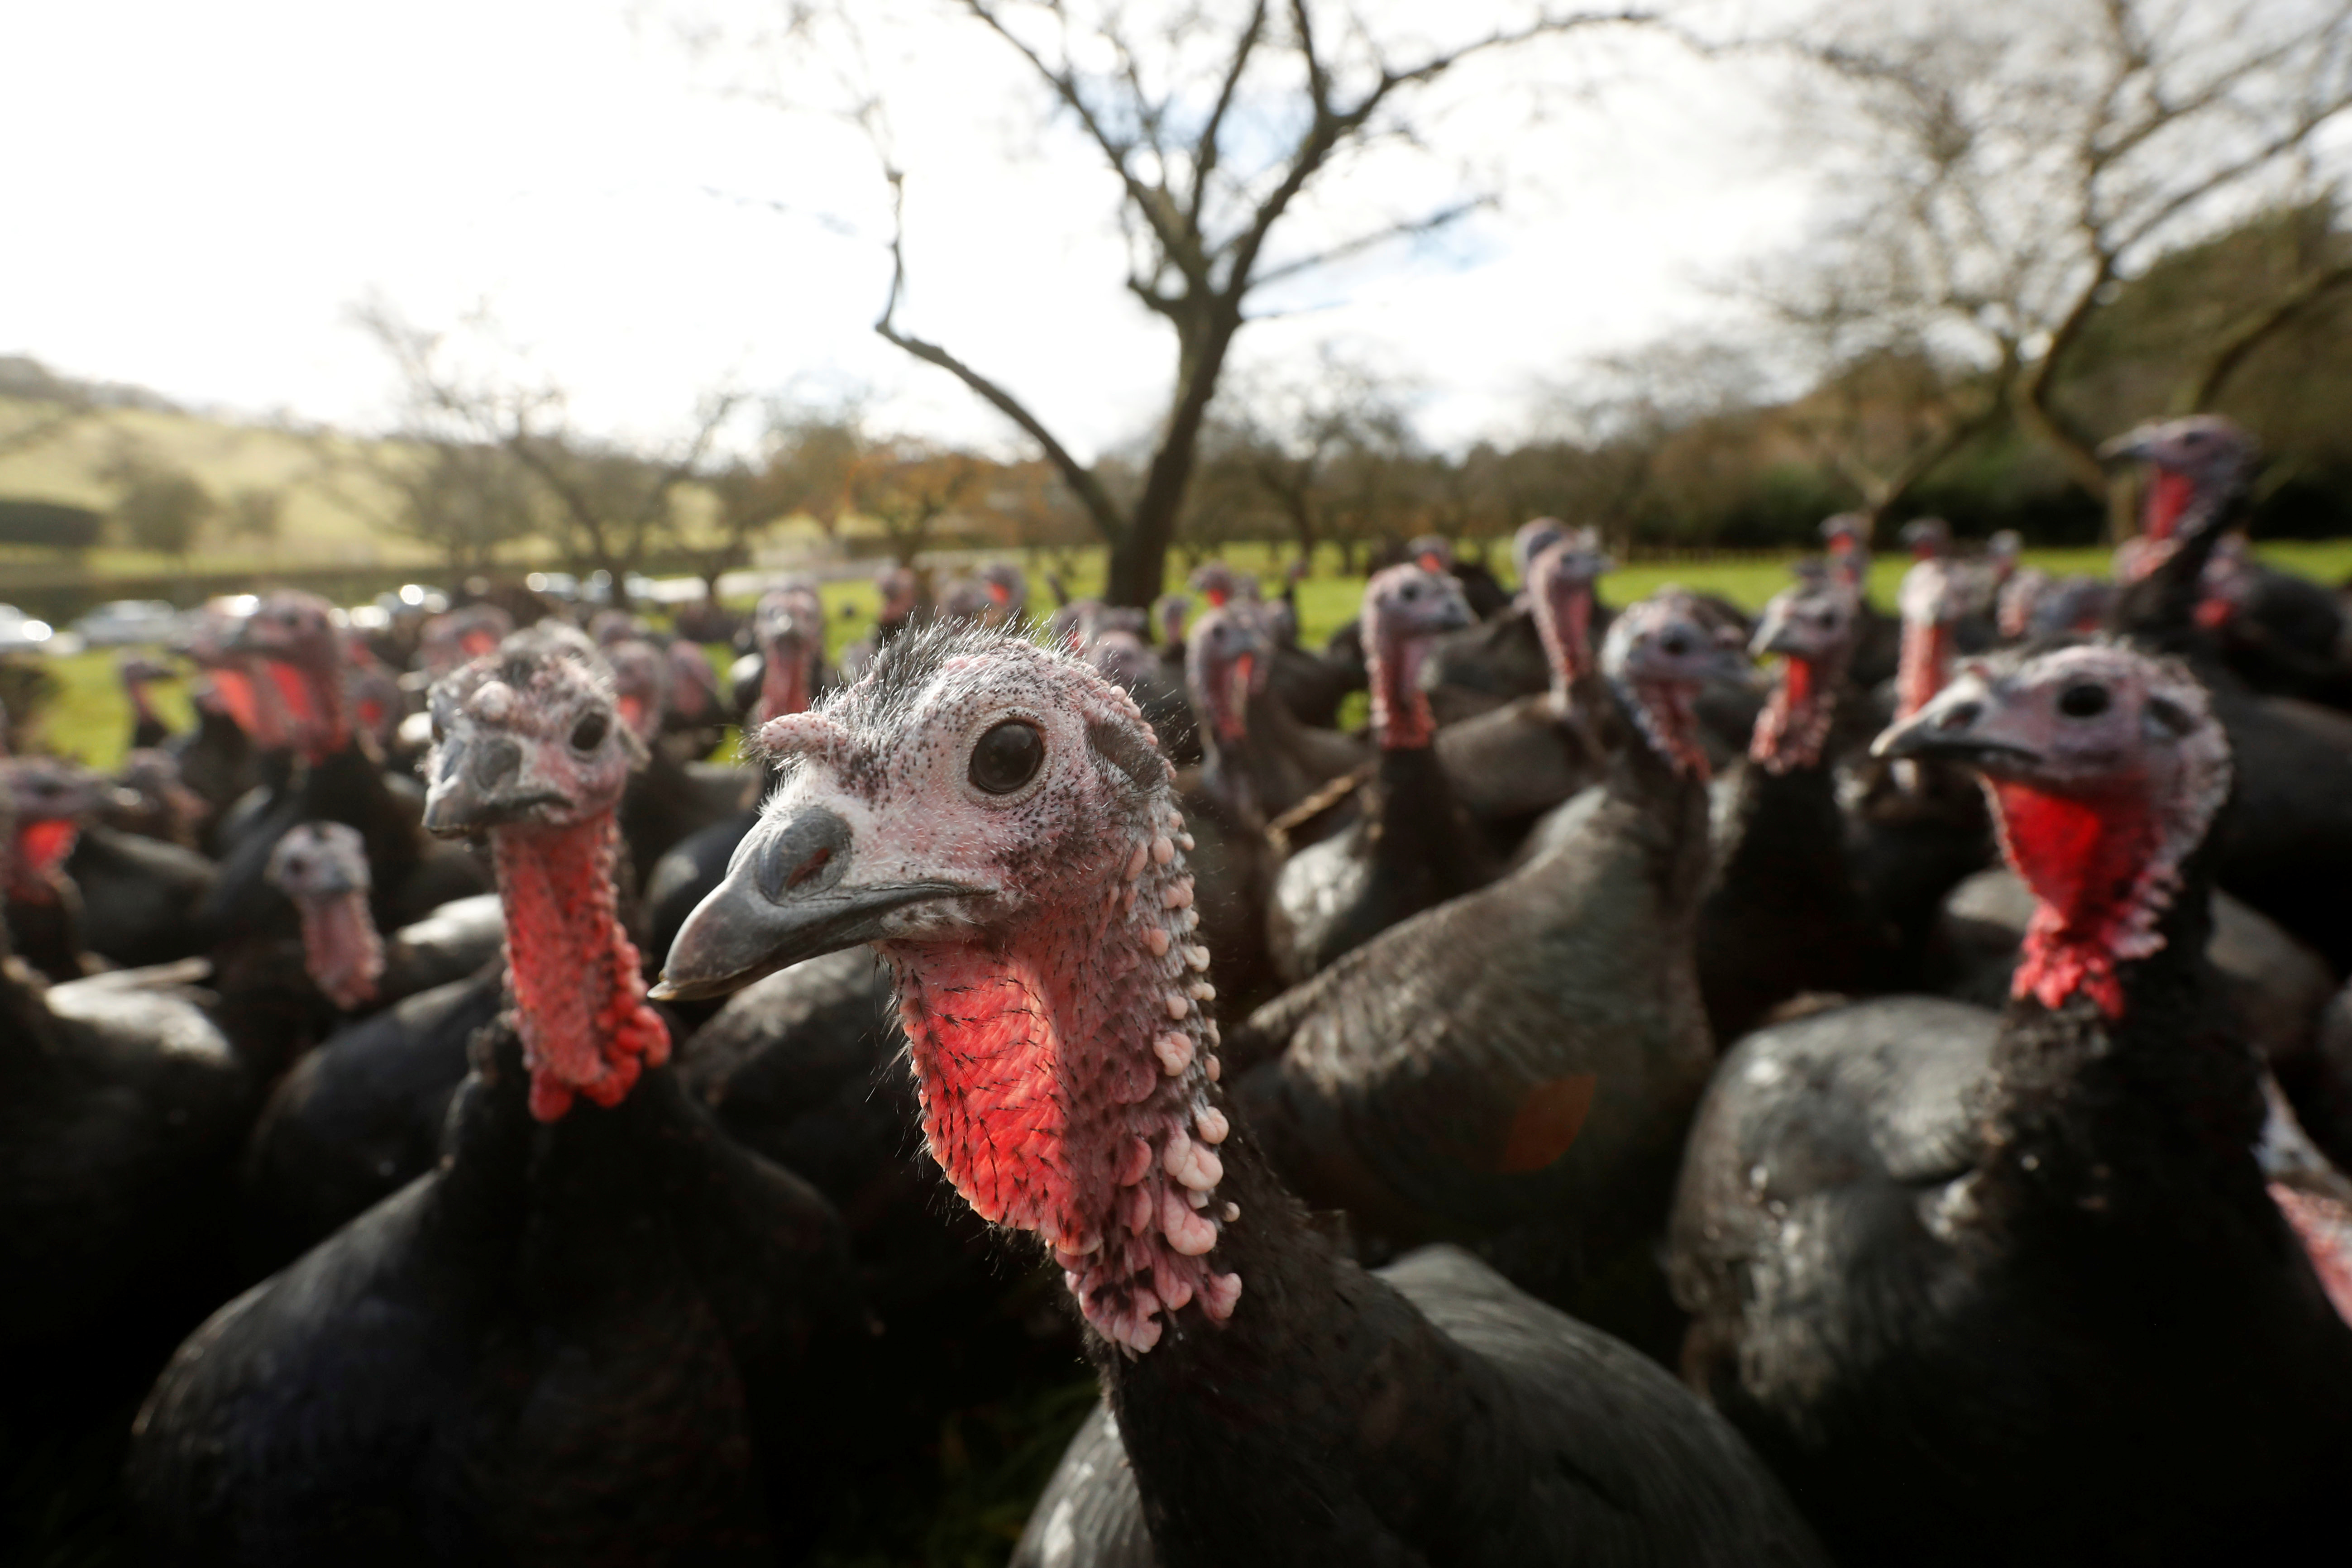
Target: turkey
<point x="995" y="818"/>
<point x="1511" y="764"/>
<point x="581" y="1337"/>
<point x="2285" y="845"/>
<point x="137" y="672"/>
<point x="1784" y="917"/>
<point x="1519" y="1065"/>
<point x="322" y="868"/>
<point x="1412" y="847"/>
<point x="2023" y="1296"/>
<point x="155" y="802"/>
<point x="79" y="886"/>
<point x="667" y="799"/>
<point x="122" y="1105"/>
<point x="1917" y="827"/>
<point x="1501" y="658"/>
<point x="297" y="681"/>
<point x="1234" y="863"/>
<point x="1256" y="753"/>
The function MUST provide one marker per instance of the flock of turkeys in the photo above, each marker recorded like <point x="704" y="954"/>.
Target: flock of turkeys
<point x="1675" y="1088"/>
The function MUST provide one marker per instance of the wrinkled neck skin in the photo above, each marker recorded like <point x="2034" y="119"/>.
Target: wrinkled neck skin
<point x="578" y="986"/>
<point x="1564" y="622"/>
<point x="1796" y="718"/>
<point x="1068" y="1081"/>
<point x="787" y="683"/>
<point x="1924" y="666"/>
<point x="1402" y="718"/>
<point x="1667" y="724"/>
<point x="341" y="951"/>
<point x="1326" y="1413"/>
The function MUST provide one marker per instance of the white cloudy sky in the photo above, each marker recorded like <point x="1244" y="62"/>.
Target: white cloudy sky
<point x="196" y="194"/>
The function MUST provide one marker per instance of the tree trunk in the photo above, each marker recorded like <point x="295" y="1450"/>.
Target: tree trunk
<point x="1139" y="554"/>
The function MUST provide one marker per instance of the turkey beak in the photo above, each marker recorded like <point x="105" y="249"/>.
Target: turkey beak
<point x="2132" y="445"/>
<point x="1963" y="724"/>
<point x="481" y="784"/>
<point x="782" y="901"/>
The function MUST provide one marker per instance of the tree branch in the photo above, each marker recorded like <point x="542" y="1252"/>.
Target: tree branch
<point x="1405" y="228"/>
<point x="2239" y="345"/>
<point x="1154" y="202"/>
<point x="1206" y="152"/>
<point x="1107" y="518"/>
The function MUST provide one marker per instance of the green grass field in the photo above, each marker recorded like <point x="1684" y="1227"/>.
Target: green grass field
<point x="91" y="719"/>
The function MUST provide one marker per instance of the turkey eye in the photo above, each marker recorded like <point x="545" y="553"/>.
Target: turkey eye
<point x="1007" y="757"/>
<point x="589" y="733"/>
<point x="2084" y="702"/>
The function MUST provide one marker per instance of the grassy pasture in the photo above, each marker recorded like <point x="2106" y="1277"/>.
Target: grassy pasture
<point x="91" y="720"/>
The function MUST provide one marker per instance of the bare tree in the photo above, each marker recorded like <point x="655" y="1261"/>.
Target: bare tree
<point x="2015" y="161"/>
<point x="908" y="486"/>
<point x="803" y="469"/>
<point x="1331" y="449"/>
<point x="607" y="505"/>
<point x="1218" y="121"/>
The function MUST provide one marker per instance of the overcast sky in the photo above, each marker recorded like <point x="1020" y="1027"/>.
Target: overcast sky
<point x="196" y="194"/>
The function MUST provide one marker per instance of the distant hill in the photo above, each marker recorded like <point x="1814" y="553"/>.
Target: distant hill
<point x="331" y="511"/>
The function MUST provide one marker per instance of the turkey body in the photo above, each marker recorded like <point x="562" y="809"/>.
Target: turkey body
<point x="1784" y="917"/>
<point x="1906" y="1336"/>
<point x="1511" y="764"/>
<point x="122" y="1105"/>
<point x="1412" y="850"/>
<point x="1516" y="1066"/>
<point x="1430" y="1413"/>
<point x="142" y="900"/>
<point x="567" y="1344"/>
<point x="360" y="1118"/>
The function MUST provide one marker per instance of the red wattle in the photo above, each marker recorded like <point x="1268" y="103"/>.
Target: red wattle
<point x="238" y="694"/>
<point x="1926" y="667"/>
<point x="42" y="847"/>
<point x="1066" y="1092"/>
<point x="2168" y="495"/>
<point x="2083" y="857"/>
<point x="1402" y="718"/>
<point x="1790" y="731"/>
<point x="578" y="986"/>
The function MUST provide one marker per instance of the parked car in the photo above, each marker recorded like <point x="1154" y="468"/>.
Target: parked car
<point x="20" y="633"/>
<point x="130" y="621"/>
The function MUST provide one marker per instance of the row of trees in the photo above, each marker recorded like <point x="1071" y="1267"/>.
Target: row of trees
<point x="2046" y="218"/>
<point x="2004" y="172"/>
